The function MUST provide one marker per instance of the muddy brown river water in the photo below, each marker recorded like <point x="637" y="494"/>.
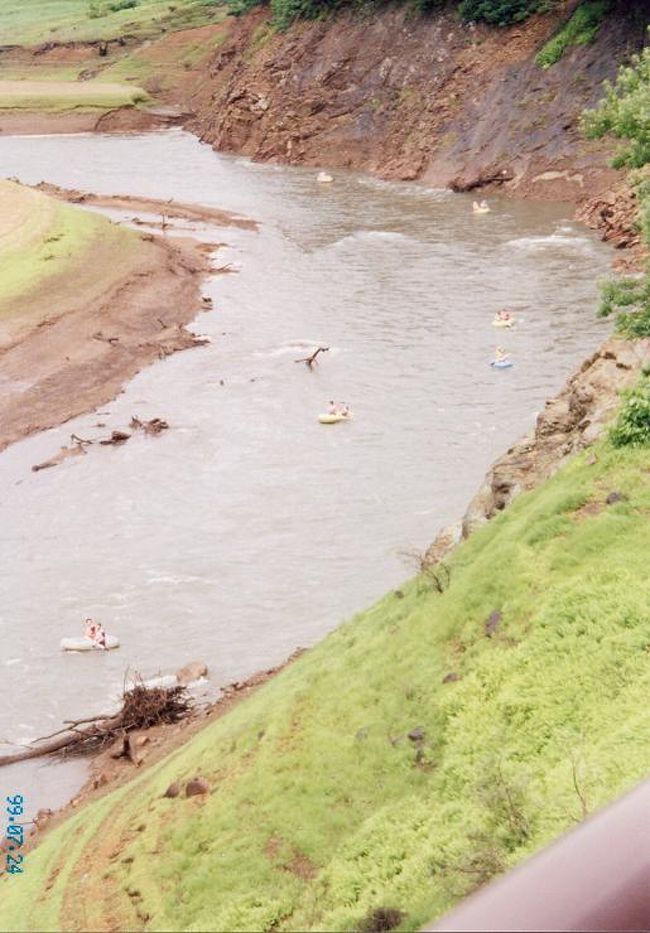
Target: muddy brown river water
<point x="248" y="528"/>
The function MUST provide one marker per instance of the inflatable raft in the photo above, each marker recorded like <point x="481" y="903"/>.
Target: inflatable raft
<point x="87" y="644"/>
<point x="497" y="323"/>
<point x="324" y="178"/>
<point x="501" y="364"/>
<point x="333" y="419"/>
<point x="477" y="209"/>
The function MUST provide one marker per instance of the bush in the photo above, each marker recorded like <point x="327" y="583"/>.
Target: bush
<point x="629" y="299"/>
<point x="501" y="12"/>
<point x="632" y="427"/>
<point x="624" y="113"/>
<point x="581" y="29"/>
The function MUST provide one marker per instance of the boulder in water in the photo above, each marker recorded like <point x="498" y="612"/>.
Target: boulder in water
<point x="192" y="671"/>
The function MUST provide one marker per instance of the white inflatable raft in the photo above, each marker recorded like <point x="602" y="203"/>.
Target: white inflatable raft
<point x="324" y="178"/>
<point x="87" y="644"/>
<point x="497" y="323"/>
<point x="333" y="419"/>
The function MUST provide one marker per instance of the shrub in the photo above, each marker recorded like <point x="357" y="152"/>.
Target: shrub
<point x="629" y="298"/>
<point x="581" y="29"/>
<point x="624" y="113"/>
<point x="501" y="12"/>
<point x="632" y="427"/>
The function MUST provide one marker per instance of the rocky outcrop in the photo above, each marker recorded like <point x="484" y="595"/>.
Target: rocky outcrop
<point x="570" y="422"/>
<point x="406" y="96"/>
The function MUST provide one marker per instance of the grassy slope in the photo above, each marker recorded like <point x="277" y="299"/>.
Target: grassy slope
<point x="56" y="96"/>
<point x="320" y="811"/>
<point x="31" y="22"/>
<point x="52" y="86"/>
<point x="41" y="239"/>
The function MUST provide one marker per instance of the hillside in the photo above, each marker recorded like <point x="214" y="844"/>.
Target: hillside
<point x="388" y="90"/>
<point x="428" y="98"/>
<point x="426" y="745"/>
<point x="36" y="22"/>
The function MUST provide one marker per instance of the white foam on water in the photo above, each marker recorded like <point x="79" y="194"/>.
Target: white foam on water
<point x="552" y="241"/>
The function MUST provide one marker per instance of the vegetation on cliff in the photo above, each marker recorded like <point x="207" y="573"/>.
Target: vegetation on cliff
<point x="581" y="29"/>
<point x="624" y="113"/>
<point x="494" y="12"/>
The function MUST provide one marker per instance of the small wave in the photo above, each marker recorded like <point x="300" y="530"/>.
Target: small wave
<point x="175" y="579"/>
<point x="12" y="661"/>
<point x="361" y="236"/>
<point x="407" y="189"/>
<point x="553" y="241"/>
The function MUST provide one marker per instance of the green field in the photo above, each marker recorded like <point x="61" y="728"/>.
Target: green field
<point x="324" y="810"/>
<point x="64" y="96"/>
<point x="31" y="22"/>
<point x="42" y="238"/>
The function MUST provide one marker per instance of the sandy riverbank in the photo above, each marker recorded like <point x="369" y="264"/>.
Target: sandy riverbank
<point x="74" y="330"/>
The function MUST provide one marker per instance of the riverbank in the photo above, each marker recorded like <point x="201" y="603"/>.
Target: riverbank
<point x="389" y="92"/>
<point x="86" y="303"/>
<point x="347" y="786"/>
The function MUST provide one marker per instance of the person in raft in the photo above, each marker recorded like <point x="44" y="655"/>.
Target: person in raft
<point x="500" y="355"/>
<point x="504" y="316"/>
<point x="95" y="632"/>
<point x="332" y="409"/>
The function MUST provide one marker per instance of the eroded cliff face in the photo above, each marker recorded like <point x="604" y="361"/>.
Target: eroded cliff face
<point x="407" y="97"/>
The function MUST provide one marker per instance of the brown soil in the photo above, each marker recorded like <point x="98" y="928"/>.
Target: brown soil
<point x="407" y="97"/>
<point x="80" y="337"/>
<point x="124" y="119"/>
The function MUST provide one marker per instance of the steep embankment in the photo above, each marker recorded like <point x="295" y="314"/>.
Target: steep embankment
<point x="425" y="746"/>
<point x="85" y="304"/>
<point x="408" y="97"/>
<point x="385" y="90"/>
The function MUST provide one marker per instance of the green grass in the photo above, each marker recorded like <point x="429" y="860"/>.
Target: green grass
<point x="30" y="22"/>
<point x="581" y="29"/>
<point x="321" y="811"/>
<point x="41" y="238"/>
<point x="64" y="96"/>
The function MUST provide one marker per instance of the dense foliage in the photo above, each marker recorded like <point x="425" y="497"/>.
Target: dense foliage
<point x="495" y="12"/>
<point x="625" y="113"/>
<point x="501" y="12"/>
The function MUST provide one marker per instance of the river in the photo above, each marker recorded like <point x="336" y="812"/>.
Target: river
<point x="248" y="529"/>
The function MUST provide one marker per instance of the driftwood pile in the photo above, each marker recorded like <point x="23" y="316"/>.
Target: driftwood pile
<point x="142" y="708"/>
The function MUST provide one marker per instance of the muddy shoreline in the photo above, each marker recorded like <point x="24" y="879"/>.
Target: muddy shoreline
<point x="81" y="346"/>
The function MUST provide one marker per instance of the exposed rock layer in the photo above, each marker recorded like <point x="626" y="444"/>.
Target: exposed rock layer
<point x="408" y="97"/>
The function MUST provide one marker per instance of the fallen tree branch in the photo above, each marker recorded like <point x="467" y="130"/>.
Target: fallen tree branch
<point x="142" y="708"/>
<point x="310" y="360"/>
